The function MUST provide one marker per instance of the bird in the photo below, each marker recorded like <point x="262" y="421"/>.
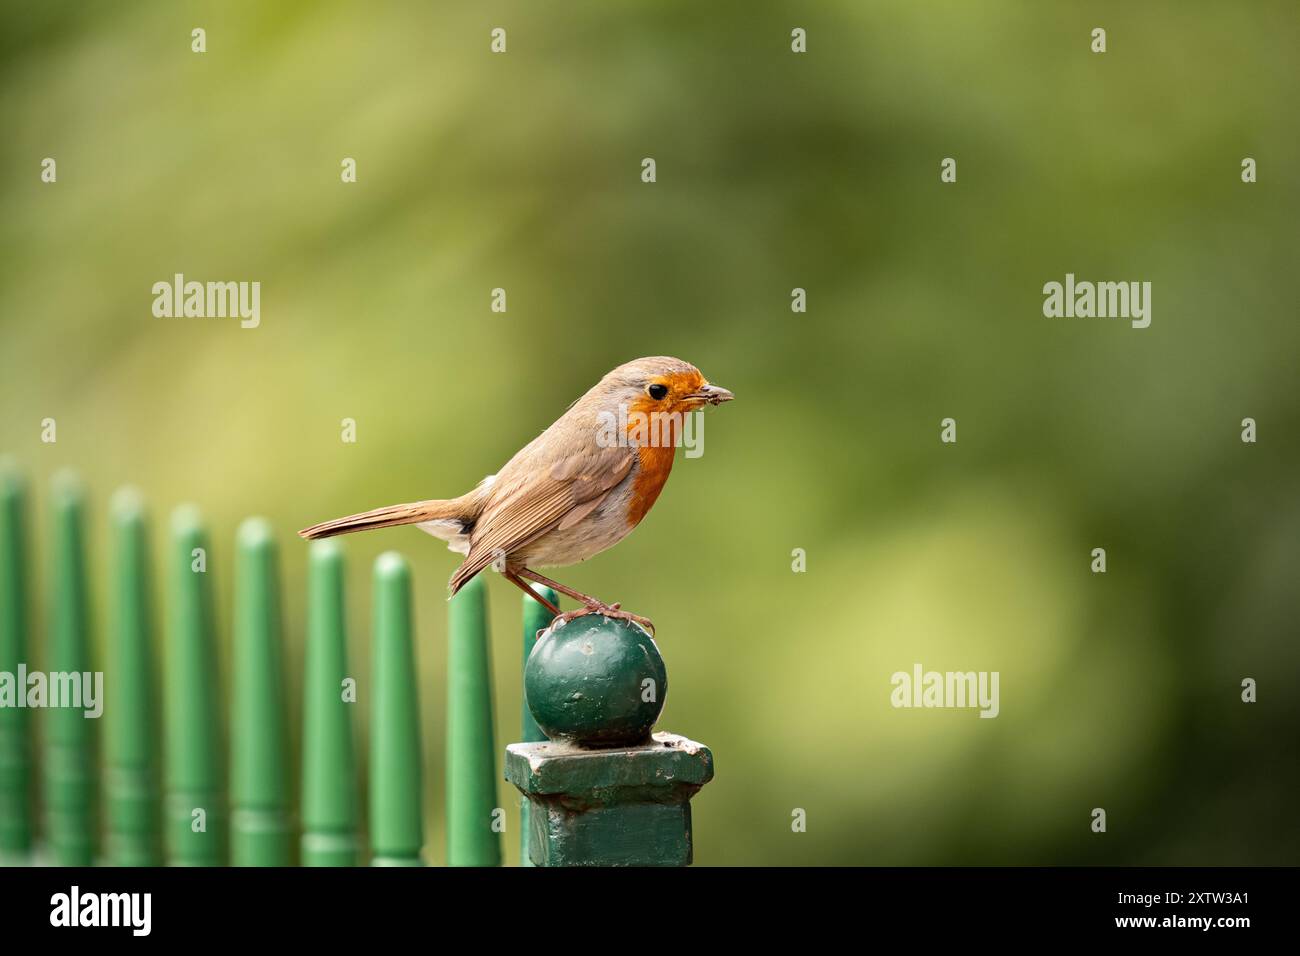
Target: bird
<point x="575" y="490"/>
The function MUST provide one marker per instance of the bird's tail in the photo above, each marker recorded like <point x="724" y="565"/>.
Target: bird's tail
<point x="463" y="509"/>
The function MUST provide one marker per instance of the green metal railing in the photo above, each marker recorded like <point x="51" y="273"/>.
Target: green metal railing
<point x="69" y="736"/>
<point x="131" y="780"/>
<point x="195" y="802"/>
<point x="330" y="830"/>
<point x="15" y="723"/>
<point x="596" y="787"/>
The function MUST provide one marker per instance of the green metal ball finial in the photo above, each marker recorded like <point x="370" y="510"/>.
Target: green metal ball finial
<point x="596" y="681"/>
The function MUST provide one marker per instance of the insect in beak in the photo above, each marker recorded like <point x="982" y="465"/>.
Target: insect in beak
<point x="710" y="395"/>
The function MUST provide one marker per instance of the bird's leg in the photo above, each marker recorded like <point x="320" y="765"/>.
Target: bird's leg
<point x="527" y="589"/>
<point x="590" y="604"/>
<point x="544" y="581"/>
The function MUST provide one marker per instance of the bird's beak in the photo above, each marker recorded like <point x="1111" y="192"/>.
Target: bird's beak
<point x="710" y="395"/>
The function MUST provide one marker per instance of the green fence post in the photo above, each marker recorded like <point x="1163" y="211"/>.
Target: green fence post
<point x="69" y="742"/>
<point x="473" y="818"/>
<point x="537" y="616"/>
<point x="195" y="802"/>
<point x="131" y="780"/>
<point x="15" y="737"/>
<point x="329" y="809"/>
<point x="604" y="791"/>
<point x="259" y="778"/>
<point x="396" y="814"/>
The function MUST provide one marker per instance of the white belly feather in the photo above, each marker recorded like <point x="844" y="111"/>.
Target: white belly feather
<point x="448" y="529"/>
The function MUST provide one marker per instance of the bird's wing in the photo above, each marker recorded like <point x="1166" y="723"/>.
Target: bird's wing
<point x="518" y="513"/>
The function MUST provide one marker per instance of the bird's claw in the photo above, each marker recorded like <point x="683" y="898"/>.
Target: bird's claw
<point x="605" y="610"/>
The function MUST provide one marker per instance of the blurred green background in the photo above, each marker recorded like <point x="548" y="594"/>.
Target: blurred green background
<point x="775" y="170"/>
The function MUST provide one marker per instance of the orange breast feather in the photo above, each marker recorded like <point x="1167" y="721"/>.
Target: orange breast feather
<point x="656" y="463"/>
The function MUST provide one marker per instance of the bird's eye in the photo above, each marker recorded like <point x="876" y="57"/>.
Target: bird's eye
<point x="657" y="391"/>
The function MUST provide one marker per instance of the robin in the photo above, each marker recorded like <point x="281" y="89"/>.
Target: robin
<point x="575" y="490"/>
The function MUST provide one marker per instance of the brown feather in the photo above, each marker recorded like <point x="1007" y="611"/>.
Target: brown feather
<point x="526" y="502"/>
<point x="463" y="509"/>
